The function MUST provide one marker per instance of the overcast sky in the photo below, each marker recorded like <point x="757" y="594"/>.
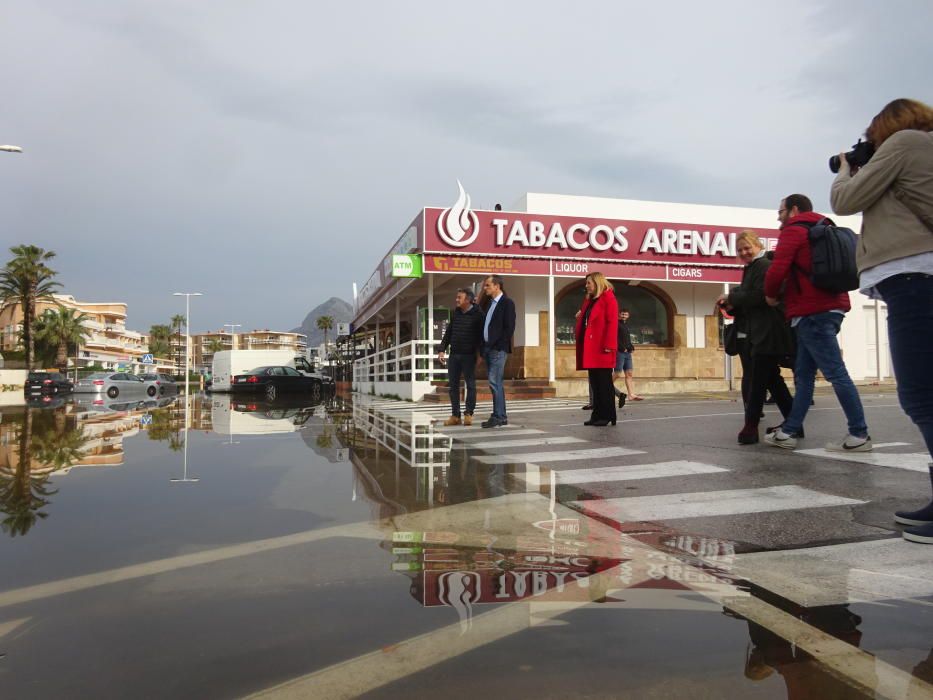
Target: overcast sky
<point x="268" y="153"/>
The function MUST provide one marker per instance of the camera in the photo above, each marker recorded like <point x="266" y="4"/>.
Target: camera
<point x="860" y="154"/>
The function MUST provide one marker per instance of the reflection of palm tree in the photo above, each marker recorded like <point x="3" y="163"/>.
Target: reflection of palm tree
<point x="166" y="426"/>
<point x="21" y="495"/>
<point x="325" y="440"/>
<point x="60" y="449"/>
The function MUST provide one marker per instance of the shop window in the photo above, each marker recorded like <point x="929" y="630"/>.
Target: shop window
<point x="650" y="321"/>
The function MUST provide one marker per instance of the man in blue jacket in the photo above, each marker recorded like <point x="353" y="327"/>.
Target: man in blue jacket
<point x="498" y="329"/>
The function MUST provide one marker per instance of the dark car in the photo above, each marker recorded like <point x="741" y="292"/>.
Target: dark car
<point x="47" y="383"/>
<point x="275" y="380"/>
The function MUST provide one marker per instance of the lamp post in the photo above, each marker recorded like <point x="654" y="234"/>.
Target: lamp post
<point x="187" y="296"/>
<point x="11" y="149"/>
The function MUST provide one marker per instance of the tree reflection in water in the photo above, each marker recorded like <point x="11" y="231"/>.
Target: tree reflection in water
<point x="166" y="427"/>
<point x="46" y="445"/>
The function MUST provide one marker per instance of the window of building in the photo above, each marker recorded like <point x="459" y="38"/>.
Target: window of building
<point x="649" y="324"/>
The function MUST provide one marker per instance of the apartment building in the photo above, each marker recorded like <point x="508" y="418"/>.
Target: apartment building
<point x="205" y="344"/>
<point x="109" y="342"/>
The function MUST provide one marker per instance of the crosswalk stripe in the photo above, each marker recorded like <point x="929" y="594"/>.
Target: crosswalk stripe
<point x="595" y="453"/>
<point x="911" y="461"/>
<point x="707" y="503"/>
<point x="632" y="472"/>
<point x="498" y="432"/>
<point x="543" y="442"/>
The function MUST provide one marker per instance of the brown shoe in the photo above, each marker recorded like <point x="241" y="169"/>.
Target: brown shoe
<point x="453" y="420"/>
<point x="468" y="419"/>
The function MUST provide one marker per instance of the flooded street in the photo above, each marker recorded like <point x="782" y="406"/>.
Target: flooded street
<point x="226" y="548"/>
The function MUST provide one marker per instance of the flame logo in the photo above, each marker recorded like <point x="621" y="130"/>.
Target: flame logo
<point x="458" y="225"/>
<point x="459" y="589"/>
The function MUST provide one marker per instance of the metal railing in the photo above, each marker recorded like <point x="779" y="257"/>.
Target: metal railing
<point x="414" y="362"/>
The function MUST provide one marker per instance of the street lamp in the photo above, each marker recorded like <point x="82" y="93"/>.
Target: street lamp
<point x="11" y="149"/>
<point x="187" y="296"/>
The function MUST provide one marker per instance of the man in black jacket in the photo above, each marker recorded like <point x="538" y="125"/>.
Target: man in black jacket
<point x="498" y="329"/>
<point x="464" y="336"/>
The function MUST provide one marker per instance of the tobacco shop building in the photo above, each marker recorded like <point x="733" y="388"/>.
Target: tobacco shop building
<point x="668" y="263"/>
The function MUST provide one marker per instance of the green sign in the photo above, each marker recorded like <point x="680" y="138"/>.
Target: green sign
<point x="407" y="266"/>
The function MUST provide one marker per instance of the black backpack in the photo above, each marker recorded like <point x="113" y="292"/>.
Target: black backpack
<point x="832" y="251"/>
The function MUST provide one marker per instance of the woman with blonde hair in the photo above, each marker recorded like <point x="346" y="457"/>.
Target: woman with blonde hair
<point x="767" y="336"/>
<point x="894" y="192"/>
<point x="596" y="335"/>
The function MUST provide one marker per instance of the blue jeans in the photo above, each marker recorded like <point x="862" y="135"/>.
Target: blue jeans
<point x="818" y="349"/>
<point x="464" y="365"/>
<point x="495" y="369"/>
<point x="910" y="333"/>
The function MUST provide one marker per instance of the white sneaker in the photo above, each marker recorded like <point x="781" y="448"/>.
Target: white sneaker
<point x="781" y="439"/>
<point x="851" y="444"/>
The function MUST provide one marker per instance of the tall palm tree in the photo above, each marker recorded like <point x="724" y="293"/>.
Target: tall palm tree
<point x="158" y="340"/>
<point x="177" y="322"/>
<point x="62" y="329"/>
<point x="25" y="280"/>
<point x="325" y="323"/>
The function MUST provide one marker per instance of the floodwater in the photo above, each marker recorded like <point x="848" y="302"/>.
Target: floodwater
<point x="218" y="548"/>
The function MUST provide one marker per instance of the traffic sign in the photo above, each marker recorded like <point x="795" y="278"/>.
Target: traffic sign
<point x="145" y="419"/>
<point x="148" y="359"/>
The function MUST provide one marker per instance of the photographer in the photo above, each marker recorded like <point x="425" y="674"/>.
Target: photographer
<point x="894" y="190"/>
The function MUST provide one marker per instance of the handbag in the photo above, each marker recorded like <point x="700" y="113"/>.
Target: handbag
<point x="730" y="339"/>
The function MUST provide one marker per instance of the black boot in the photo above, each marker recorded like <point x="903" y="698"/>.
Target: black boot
<point x="622" y="397"/>
<point x="924" y="516"/>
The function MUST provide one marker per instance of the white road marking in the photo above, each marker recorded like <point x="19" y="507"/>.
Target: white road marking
<point x="633" y="472"/>
<point x="496" y="433"/>
<point x="159" y="566"/>
<point x="911" y="461"/>
<point x="708" y="503"/>
<point x="843" y="573"/>
<point x="532" y="442"/>
<point x="595" y="453"/>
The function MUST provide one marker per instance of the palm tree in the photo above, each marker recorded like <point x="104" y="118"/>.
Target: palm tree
<point x="25" y="280"/>
<point x="158" y="340"/>
<point x="325" y="323"/>
<point x="215" y="345"/>
<point x="177" y="322"/>
<point x="63" y="329"/>
<point x="22" y="494"/>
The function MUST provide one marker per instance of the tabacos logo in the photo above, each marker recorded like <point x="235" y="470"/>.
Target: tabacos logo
<point x="459" y="589"/>
<point x="458" y="226"/>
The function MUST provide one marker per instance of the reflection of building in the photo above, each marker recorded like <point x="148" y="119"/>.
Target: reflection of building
<point x="668" y="263"/>
<point x="204" y="344"/>
<point x="109" y="343"/>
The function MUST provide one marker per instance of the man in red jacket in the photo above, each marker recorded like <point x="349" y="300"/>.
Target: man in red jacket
<point x="816" y="315"/>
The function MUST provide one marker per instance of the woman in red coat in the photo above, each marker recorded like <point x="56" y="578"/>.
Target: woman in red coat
<point x="597" y="343"/>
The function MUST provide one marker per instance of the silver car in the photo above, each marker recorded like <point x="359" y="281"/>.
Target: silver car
<point x="113" y="384"/>
<point x="165" y="382"/>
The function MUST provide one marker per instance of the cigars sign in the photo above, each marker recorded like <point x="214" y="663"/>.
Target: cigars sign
<point x="461" y="230"/>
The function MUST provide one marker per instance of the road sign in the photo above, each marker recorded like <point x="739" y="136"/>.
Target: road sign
<point x="145" y="419"/>
<point x="148" y="359"/>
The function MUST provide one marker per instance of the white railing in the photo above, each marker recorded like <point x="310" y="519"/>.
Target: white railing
<point x="414" y="442"/>
<point x="406" y="370"/>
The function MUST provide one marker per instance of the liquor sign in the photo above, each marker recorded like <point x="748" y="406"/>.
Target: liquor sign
<point x="462" y="230"/>
<point x="406" y="266"/>
<point x="482" y="265"/>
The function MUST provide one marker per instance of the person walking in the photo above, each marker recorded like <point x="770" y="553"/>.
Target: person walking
<point x="624" y="365"/>
<point x="894" y="191"/>
<point x="464" y="336"/>
<point x="498" y="329"/>
<point x="817" y="315"/>
<point x="767" y="337"/>
<point x="597" y="344"/>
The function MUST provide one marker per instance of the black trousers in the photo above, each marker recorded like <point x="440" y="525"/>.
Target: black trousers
<point x="604" y="405"/>
<point x="765" y="375"/>
<point x="745" y="357"/>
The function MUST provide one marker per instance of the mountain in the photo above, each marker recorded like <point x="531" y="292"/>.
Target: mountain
<point x="338" y="309"/>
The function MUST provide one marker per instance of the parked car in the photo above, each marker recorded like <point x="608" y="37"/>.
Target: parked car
<point x="165" y="382"/>
<point x="275" y="380"/>
<point x="47" y="383"/>
<point x="115" y="383"/>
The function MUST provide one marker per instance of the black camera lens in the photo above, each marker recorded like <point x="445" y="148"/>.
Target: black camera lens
<point x="834" y="164"/>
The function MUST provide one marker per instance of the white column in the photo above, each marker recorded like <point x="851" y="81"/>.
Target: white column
<point x="430" y="328"/>
<point x="551" y="326"/>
